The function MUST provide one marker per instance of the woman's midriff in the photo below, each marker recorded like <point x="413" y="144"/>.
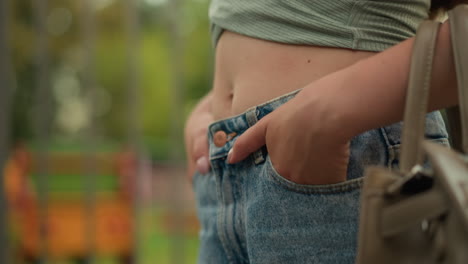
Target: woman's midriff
<point x="250" y="71"/>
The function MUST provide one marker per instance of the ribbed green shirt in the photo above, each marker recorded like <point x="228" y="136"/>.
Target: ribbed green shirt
<point x="361" y="25"/>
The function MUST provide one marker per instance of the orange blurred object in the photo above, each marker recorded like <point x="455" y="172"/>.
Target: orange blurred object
<point x="67" y="220"/>
<point x="66" y="229"/>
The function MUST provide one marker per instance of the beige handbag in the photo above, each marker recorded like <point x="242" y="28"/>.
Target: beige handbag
<point x="417" y="215"/>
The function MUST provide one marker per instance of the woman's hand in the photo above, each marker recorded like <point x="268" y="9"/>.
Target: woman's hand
<point x="308" y="137"/>
<point x="304" y="137"/>
<point x="197" y="145"/>
<point x="196" y="138"/>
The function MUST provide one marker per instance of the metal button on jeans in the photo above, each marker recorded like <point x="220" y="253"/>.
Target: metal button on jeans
<point x="220" y="138"/>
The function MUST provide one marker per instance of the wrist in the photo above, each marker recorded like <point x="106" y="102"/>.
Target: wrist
<point x="368" y="94"/>
<point x="331" y="100"/>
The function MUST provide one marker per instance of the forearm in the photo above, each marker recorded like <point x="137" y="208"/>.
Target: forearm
<point x="371" y="93"/>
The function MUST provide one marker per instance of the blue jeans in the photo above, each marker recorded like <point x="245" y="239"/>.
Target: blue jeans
<point x="251" y="214"/>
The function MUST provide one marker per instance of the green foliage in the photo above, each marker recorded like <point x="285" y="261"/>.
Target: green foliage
<point x="110" y="68"/>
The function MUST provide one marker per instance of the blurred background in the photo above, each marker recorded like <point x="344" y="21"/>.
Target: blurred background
<point x="93" y="99"/>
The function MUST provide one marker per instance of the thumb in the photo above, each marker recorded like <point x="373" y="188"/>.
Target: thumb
<point x="250" y="141"/>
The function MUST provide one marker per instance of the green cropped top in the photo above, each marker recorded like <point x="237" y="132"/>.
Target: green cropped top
<point x="372" y="25"/>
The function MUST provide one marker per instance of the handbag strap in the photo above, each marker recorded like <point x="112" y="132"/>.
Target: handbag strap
<point x="458" y="18"/>
<point x="419" y="87"/>
<point x="417" y="95"/>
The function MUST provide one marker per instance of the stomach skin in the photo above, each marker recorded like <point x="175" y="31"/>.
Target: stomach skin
<point x="251" y="71"/>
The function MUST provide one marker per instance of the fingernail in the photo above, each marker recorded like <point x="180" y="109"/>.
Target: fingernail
<point x="203" y="166"/>
<point x="229" y="157"/>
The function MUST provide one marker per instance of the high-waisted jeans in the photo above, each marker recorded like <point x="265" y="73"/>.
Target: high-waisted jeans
<point x="251" y="214"/>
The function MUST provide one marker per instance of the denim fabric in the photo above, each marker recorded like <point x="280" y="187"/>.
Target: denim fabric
<point x="251" y="214"/>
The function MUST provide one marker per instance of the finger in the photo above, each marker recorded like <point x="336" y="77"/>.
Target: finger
<point x="200" y="154"/>
<point x="191" y="170"/>
<point x="250" y="141"/>
<point x="203" y="165"/>
<point x="200" y="147"/>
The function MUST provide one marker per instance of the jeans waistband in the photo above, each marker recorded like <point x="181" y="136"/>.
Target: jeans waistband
<point x="222" y="133"/>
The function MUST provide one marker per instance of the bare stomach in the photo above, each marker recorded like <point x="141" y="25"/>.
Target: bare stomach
<point x="250" y="71"/>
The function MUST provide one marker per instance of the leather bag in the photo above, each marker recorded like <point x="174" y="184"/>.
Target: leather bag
<point x="419" y="213"/>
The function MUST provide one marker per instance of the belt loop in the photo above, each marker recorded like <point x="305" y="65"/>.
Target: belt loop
<point x="252" y="119"/>
<point x="251" y="116"/>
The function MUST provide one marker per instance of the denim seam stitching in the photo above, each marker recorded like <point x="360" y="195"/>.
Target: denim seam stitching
<point x="390" y="151"/>
<point x="221" y="213"/>
<point x="241" y="215"/>
<point x="343" y="187"/>
<point x="356" y="184"/>
<point x="230" y="213"/>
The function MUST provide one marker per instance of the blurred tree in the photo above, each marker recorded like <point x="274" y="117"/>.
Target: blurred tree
<point x="66" y="58"/>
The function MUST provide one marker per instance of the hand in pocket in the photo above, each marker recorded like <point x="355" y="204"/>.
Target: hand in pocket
<point x="304" y="141"/>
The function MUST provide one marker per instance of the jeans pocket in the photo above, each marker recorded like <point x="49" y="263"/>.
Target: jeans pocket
<point x="341" y="187"/>
<point x="394" y="162"/>
<point x="435" y="131"/>
<point x="295" y="223"/>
